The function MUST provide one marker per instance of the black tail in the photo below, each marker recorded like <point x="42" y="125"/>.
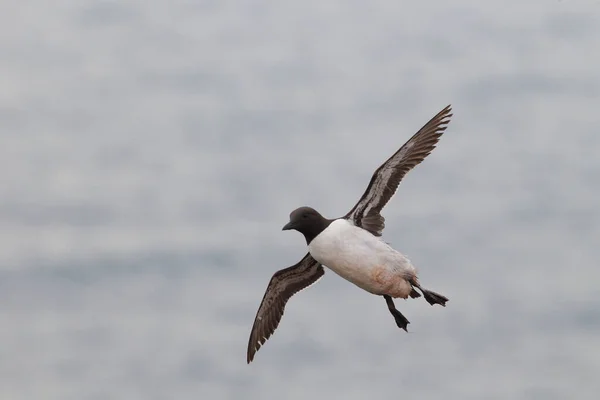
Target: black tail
<point x="431" y="297"/>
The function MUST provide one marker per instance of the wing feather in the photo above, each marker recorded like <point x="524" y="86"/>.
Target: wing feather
<point x="282" y="286"/>
<point x="385" y="180"/>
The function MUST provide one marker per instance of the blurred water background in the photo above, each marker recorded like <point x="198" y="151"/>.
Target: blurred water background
<point x="150" y="152"/>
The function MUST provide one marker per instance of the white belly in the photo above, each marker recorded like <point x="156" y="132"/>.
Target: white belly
<point x="363" y="259"/>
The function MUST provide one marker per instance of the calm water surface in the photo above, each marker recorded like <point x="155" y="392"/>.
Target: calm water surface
<point x="151" y="151"/>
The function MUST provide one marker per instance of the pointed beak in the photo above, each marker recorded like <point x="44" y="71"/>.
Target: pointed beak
<point x="288" y="226"/>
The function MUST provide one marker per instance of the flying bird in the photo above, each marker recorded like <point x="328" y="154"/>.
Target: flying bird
<point x="351" y="246"/>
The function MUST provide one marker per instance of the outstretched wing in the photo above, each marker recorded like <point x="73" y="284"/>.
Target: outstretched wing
<point x="283" y="285"/>
<point x="385" y="180"/>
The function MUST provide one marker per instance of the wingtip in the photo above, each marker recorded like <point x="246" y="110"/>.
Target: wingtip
<point x="446" y="114"/>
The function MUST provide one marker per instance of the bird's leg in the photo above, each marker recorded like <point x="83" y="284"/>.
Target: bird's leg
<point x="401" y="320"/>
<point x="431" y="297"/>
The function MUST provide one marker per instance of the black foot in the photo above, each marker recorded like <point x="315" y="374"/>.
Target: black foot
<point x="401" y="320"/>
<point x="414" y="294"/>
<point x="434" y="298"/>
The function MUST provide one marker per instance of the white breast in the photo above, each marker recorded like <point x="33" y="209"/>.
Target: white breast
<point x="363" y="259"/>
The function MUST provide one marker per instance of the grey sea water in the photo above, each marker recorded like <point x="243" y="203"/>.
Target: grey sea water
<point x="151" y="151"/>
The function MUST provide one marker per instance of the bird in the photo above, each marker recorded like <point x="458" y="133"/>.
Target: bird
<point x="351" y="246"/>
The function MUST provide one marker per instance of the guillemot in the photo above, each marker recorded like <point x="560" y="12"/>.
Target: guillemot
<point x="351" y="246"/>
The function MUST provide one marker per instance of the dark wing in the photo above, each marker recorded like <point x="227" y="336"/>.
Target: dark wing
<point x="385" y="180"/>
<point x="283" y="285"/>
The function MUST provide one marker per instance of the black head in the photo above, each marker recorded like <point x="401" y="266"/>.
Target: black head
<point x="307" y="221"/>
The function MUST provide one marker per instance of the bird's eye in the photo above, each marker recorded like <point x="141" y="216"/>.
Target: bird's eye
<point x="305" y="216"/>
